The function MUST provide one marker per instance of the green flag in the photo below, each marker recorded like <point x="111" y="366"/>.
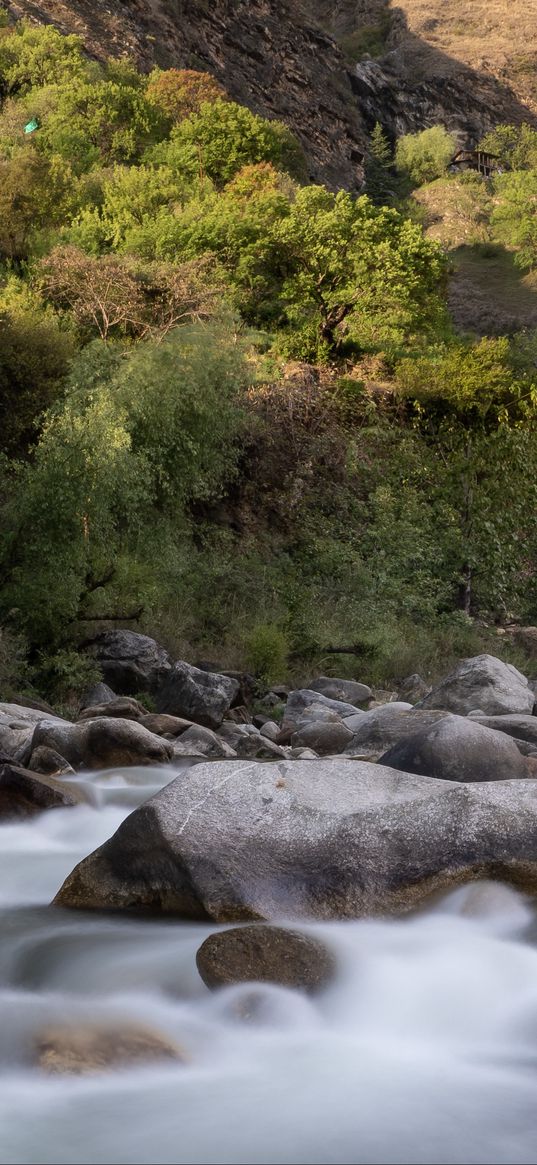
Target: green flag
<point x="31" y="125"/>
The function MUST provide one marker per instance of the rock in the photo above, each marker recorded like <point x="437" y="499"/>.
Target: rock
<point x="206" y="742"/>
<point x="85" y="1049"/>
<point x="303" y="754"/>
<point x="17" y="726"/>
<point x="47" y="760"/>
<point x="96" y="695"/>
<point x="414" y="688"/>
<point x="201" y="696"/>
<point x="35" y="704"/>
<point x="130" y="662"/>
<point x="484" y="682"/>
<point x="24" y="794"/>
<point x="522" y="728"/>
<point x="457" y="749"/>
<point x="103" y="743"/>
<point x="163" y="725"/>
<point x="270" y="729"/>
<point x="239" y="715"/>
<point x="324" y="738"/>
<point x="124" y="707"/>
<point x="348" y="691"/>
<point x="242" y="841"/>
<point x="378" y="729"/>
<point x="305" y="705"/>
<point x="247" y="741"/>
<point x="268" y="954"/>
<point x="526" y="638"/>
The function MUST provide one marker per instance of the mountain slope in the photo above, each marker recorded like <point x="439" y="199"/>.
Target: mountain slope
<point x="331" y="68"/>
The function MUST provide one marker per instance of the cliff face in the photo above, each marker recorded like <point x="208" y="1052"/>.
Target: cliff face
<point x="266" y="57"/>
<point x="331" y="68"/>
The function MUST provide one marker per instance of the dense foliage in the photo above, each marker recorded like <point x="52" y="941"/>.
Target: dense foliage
<point x="233" y="408"/>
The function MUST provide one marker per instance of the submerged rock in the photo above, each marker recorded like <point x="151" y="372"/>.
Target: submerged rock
<point x="24" y="794"/>
<point x="323" y="839"/>
<point x="84" y="1049"/>
<point x="269" y="954"/>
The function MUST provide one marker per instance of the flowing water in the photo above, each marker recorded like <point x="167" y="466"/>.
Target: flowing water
<point x="424" y="1049"/>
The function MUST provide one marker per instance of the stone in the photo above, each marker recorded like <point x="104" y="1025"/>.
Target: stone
<point x="521" y="728"/>
<point x="123" y="707"/>
<point x="17" y="725"/>
<point x="348" y="691"/>
<point x="96" y="695"/>
<point x="85" y="1049"/>
<point x="305" y="705"/>
<point x="130" y="662"/>
<point x="325" y="739"/>
<point x="206" y="742"/>
<point x="303" y="754"/>
<point x="47" y="760"/>
<point x="457" y="749"/>
<point x="526" y="638"/>
<point x="163" y="725"/>
<point x="414" y="688"/>
<point x="267" y="954"/>
<point x="201" y="696"/>
<point x="106" y="742"/>
<point x="322" y="839"/>
<point x="482" y="682"/>
<point x="376" y="730"/>
<point x="24" y="794"/>
<point x="270" y="729"/>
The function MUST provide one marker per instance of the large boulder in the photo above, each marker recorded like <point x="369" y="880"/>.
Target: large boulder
<point x="457" y="749"/>
<point x="325" y="738"/>
<point x="124" y="707"/>
<point x="349" y="691"/>
<point x="324" y="839"/>
<point x="482" y="683"/>
<point x="103" y="743"/>
<point x="266" y="954"/>
<point x="17" y="725"/>
<point x="130" y="662"/>
<point x="24" y="794"/>
<point x="375" y="731"/>
<point x="197" y="695"/>
<point x="521" y="728"/>
<point x="305" y="706"/>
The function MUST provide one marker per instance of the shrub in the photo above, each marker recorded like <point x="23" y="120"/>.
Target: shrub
<point x="424" y="156"/>
<point x="267" y="651"/>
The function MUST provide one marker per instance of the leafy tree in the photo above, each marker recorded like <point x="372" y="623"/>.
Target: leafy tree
<point x="34" y="193"/>
<point x="181" y="92"/>
<point x="32" y="57"/>
<point x="422" y="157"/>
<point x="227" y="137"/>
<point x="514" y="145"/>
<point x="514" y="219"/>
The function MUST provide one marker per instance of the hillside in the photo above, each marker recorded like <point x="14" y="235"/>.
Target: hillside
<point x="330" y="68"/>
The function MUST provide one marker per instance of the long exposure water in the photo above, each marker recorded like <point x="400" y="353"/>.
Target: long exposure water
<point x="424" y="1049"/>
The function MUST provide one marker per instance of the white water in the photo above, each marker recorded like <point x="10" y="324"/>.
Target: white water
<point x="424" y="1049"/>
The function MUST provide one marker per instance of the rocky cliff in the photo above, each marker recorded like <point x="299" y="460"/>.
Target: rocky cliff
<point x="331" y="68"/>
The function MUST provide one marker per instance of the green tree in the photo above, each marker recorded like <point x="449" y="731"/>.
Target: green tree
<point x="422" y="157"/>
<point x="514" y="219"/>
<point x="226" y="137"/>
<point x="380" y="177"/>
<point x="32" y="57"/>
<point x="514" y="145"/>
<point x="181" y="92"/>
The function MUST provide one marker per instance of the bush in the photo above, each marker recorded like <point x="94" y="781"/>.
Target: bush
<point x="267" y="652"/>
<point x="424" y="156"/>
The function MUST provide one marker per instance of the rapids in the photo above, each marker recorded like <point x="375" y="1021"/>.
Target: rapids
<point x="424" y="1049"/>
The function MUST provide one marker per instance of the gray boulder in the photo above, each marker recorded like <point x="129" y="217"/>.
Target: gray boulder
<point x="482" y="682"/>
<point x="130" y="662"/>
<point x="265" y="954"/>
<point x="17" y="724"/>
<point x="348" y="691"/>
<point x="522" y="728"/>
<point x="205" y="741"/>
<point x="305" y="705"/>
<point x="326" y="839"/>
<point x="324" y="738"/>
<point x="102" y="743"/>
<point x="201" y="696"/>
<point x="98" y="694"/>
<point x="375" y="731"/>
<point x="457" y="749"/>
<point x="124" y="707"/>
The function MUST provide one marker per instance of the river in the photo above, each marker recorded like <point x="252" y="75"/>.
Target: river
<point x="424" y="1049"/>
